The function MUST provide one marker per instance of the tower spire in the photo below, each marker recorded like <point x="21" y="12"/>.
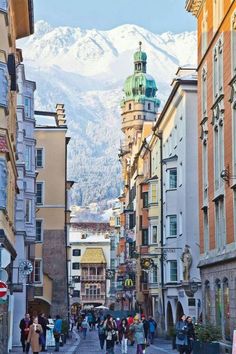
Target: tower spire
<point x="140" y="60"/>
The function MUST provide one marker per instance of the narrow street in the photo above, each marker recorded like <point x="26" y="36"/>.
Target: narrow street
<point x="91" y="345"/>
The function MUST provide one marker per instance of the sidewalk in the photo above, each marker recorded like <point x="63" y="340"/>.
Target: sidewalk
<point x="163" y="346"/>
<point x="70" y="347"/>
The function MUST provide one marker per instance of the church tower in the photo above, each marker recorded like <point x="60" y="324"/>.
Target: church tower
<point x="140" y="103"/>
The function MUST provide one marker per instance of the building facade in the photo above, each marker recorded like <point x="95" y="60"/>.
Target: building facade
<point x="50" y="276"/>
<point x="25" y="228"/>
<point x="177" y="127"/>
<point x="139" y="111"/>
<point x="216" y="149"/>
<point x="16" y="21"/>
<point x="89" y="262"/>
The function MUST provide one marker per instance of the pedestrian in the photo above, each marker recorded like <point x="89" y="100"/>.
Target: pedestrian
<point x="85" y="326"/>
<point x="34" y="336"/>
<point x="57" y="332"/>
<point x="130" y="320"/>
<point x="152" y="328"/>
<point x="137" y="328"/>
<point x="190" y="333"/>
<point x="181" y="335"/>
<point x="123" y="330"/>
<point x="111" y="334"/>
<point x="101" y="333"/>
<point x="24" y="328"/>
<point x="145" y="328"/>
<point x="43" y="321"/>
<point x="90" y="320"/>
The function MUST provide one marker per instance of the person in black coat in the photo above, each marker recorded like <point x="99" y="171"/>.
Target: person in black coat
<point x="24" y="330"/>
<point x="190" y="333"/>
<point x="43" y="321"/>
<point x="145" y="327"/>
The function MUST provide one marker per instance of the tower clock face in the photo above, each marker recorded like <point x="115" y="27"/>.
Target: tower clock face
<point x="25" y="267"/>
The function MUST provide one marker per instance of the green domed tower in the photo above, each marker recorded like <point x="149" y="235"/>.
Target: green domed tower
<point x="140" y="103"/>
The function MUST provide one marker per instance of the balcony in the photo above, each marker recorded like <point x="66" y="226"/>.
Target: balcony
<point x="93" y="277"/>
<point x="93" y="297"/>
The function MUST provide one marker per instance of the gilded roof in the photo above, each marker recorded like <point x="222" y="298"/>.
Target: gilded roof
<point x="93" y="255"/>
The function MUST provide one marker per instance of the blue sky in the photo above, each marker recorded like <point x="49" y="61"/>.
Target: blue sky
<point x="156" y="15"/>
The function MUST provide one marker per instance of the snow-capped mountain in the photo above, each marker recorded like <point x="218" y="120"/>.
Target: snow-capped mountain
<point x="85" y="70"/>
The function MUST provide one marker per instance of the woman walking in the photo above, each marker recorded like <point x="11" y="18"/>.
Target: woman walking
<point x="35" y="332"/>
<point x="123" y="330"/>
<point x="101" y="333"/>
<point x="181" y="335"/>
<point x="85" y="327"/>
<point x="137" y="328"/>
<point x="111" y="334"/>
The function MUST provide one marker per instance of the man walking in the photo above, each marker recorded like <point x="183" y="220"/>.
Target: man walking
<point x="152" y="328"/>
<point x="24" y="327"/>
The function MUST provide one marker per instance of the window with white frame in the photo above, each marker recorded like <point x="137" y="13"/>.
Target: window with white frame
<point x="38" y="271"/>
<point x="154" y="234"/>
<point x="173" y="273"/>
<point x="233" y="44"/>
<point x="28" y="157"/>
<point x="218" y="68"/>
<point x="28" y="211"/>
<point x="39" y="157"/>
<point x="172" y="178"/>
<point x="39" y="230"/>
<point x="171" y="226"/>
<point x="220" y="223"/>
<point x="39" y="193"/>
<point x="218" y="123"/>
<point x="206" y="229"/>
<point x="153" y="193"/>
<point x="204" y="92"/>
<point x="154" y="275"/>
<point x="27" y="106"/>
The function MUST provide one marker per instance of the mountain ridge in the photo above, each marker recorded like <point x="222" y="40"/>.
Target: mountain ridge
<point x="85" y="70"/>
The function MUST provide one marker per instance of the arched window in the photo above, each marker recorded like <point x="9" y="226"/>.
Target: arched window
<point x="218" y="303"/>
<point x="130" y="106"/>
<point x="226" y="309"/>
<point x="207" y="301"/>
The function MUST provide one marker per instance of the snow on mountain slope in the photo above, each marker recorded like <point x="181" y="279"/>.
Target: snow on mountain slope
<point x="86" y="69"/>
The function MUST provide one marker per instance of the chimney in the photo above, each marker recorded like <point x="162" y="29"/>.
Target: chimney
<point x="60" y="114"/>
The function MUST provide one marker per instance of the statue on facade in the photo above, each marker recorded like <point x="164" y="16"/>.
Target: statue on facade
<point x="186" y="258"/>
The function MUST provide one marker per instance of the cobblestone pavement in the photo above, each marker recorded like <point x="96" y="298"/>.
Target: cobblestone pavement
<point x="91" y="345"/>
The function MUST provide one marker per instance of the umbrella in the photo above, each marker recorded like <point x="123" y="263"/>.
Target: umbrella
<point x="101" y="307"/>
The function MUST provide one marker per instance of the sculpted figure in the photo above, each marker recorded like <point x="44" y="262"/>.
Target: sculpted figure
<point x="186" y="258"/>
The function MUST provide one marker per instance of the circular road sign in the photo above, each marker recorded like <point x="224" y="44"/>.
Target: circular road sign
<point x="3" y="289"/>
<point x="3" y="275"/>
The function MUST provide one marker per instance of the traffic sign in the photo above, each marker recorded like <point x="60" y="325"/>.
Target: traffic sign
<point x="3" y="275"/>
<point x="5" y="257"/>
<point x="3" y="289"/>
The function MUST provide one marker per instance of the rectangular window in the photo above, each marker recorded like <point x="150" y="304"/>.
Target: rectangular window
<point x="39" y="230"/>
<point x="76" y="293"/>
<point x="145" y="199"/>
<point x="76" y="279"/>
<point x="145" y="237"/>
<point x="28" y="158"/>
<point x="113" y="245"/>
<point x="172" y="178"/>
<point x="27" y="107"/>
<point x="206" y="230"/>
<point x="39" y="157"/>
<point x="171" y="226"/>
<point x="154" y="274"/>
<point x="219" y="223"/>
<point x="28" y="211"/>
<point x="76" y="265"/>
<point x="76" y="252"/>
<point x="3" y="85"/>
<point x="38" y="271"/>
<point x="205" y="170"/>
<point x="204" y="92"/>
<point x="153" y="193"/>
<point x="39" y="193"/>
<point x="218" y="68"/>
<point x="154" y="234"/>
<point x="173" y="271"/>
